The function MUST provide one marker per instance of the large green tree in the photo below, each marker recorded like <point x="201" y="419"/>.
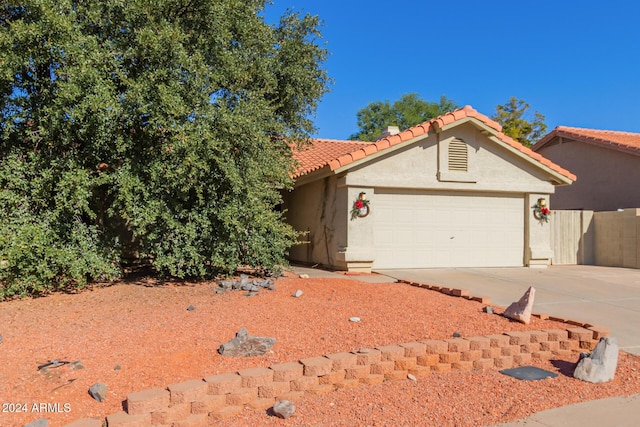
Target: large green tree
<point x="150" y="129"/>
<point x="408" y="111"/>
<point x="518" y="123"/>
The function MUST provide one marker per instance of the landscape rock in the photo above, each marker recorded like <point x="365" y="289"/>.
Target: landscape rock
<point x="297" y="294"/>
<point x="245" y="345"/>
<point x="284" y="409"/>
<point x="488" y="310"/>
<point x="457" y="335"/>
<point x="40" y="422"/>
<point x="245" y="284"/>
<point x="77" y="364"/>
<point x="191" y="308"/>
<point x="412" y="378"/>
<point x="98" y="391"/>
<point x="521" y="310"/>
<point x="354" y="319"/>
<point x="226" y="284"/>
<point x="600" y="366"/>
<point x="304" y="276"/>
<point x="263" y="283"/>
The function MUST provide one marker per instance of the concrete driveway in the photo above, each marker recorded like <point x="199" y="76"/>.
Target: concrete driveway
<point x="603" y="296"/>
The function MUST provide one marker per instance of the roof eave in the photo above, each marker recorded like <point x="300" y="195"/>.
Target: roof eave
<point x="312" y="176"/>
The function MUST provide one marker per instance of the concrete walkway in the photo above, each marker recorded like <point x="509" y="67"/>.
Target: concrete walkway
<point x="600" y="295"/>
<point x="615" y="411"/>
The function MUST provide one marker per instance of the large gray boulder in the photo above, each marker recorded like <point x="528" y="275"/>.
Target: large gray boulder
<point x="600" y="366"/>
<point x="245" y="345"/>
<point x="521" y="310"/>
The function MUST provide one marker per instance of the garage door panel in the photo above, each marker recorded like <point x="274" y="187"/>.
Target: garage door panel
<point x="422" y="230"/>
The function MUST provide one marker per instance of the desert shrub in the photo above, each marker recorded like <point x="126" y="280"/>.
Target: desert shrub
<point x="158" y="129"/>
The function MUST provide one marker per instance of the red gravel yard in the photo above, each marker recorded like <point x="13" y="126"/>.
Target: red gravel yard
<point x="138" y="335"/>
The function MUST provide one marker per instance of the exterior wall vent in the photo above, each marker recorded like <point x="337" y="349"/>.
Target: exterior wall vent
<point x="458" y="156"/>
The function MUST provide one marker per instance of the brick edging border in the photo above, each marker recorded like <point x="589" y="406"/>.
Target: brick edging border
<point x="464" y="293"/>
<point x="223" y="396"/>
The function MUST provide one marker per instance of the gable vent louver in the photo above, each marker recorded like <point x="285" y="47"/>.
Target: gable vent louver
<point x="458" y="156"/>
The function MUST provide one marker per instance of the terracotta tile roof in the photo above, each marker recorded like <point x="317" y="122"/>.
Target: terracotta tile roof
<point x="336" y="154"/>
<point x="623" y="141"/>
<point x="321" y="151"/>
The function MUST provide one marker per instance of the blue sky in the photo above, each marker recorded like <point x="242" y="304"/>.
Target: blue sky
<point x="576" y="62"/>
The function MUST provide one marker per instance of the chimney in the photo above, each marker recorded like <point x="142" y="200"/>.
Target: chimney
<point x="390" y="130"/>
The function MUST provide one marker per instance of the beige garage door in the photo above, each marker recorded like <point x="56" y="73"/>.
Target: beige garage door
<point x="422" y="230"/>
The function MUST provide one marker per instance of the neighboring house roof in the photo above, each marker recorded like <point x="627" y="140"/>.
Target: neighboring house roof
<point x="622" y="141"/>
<point x="335" y="154"/>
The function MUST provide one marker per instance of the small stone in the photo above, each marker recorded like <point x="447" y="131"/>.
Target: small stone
<point x="250" y="294"/>
<point x="220" y="291"/>
<point x="116" y="368"/>
<point x="457" y="334"/>
<point x="521" y="310"/>
<point x="40" y="422"/>
<point x="226" y="284"/>
<point x="0" y="339"/>
<point x="488" y="310"/>
<point x="304" y="276"/>
<point x="600" y="366"/>
<point x="284" y="409"/>
<point x="412" y="378"/>
<point x="191" y="308"/>
<point x="297" y="294"/>
<point x="354" y="319"/>
<point x="98" y="391"/>
<point x="77" y="365"/>
<point x="272" y="287"/>
<point x="263" y="283"/>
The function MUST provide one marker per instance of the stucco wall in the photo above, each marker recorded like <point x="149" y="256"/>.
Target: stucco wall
<point x="607" y="179"/>
<point x="317" y="209"/>
<point x="491" y="168"/>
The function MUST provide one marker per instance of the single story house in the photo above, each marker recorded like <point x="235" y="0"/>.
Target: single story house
<point x="607" y="162"/>
<point x="451" y="192"/>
